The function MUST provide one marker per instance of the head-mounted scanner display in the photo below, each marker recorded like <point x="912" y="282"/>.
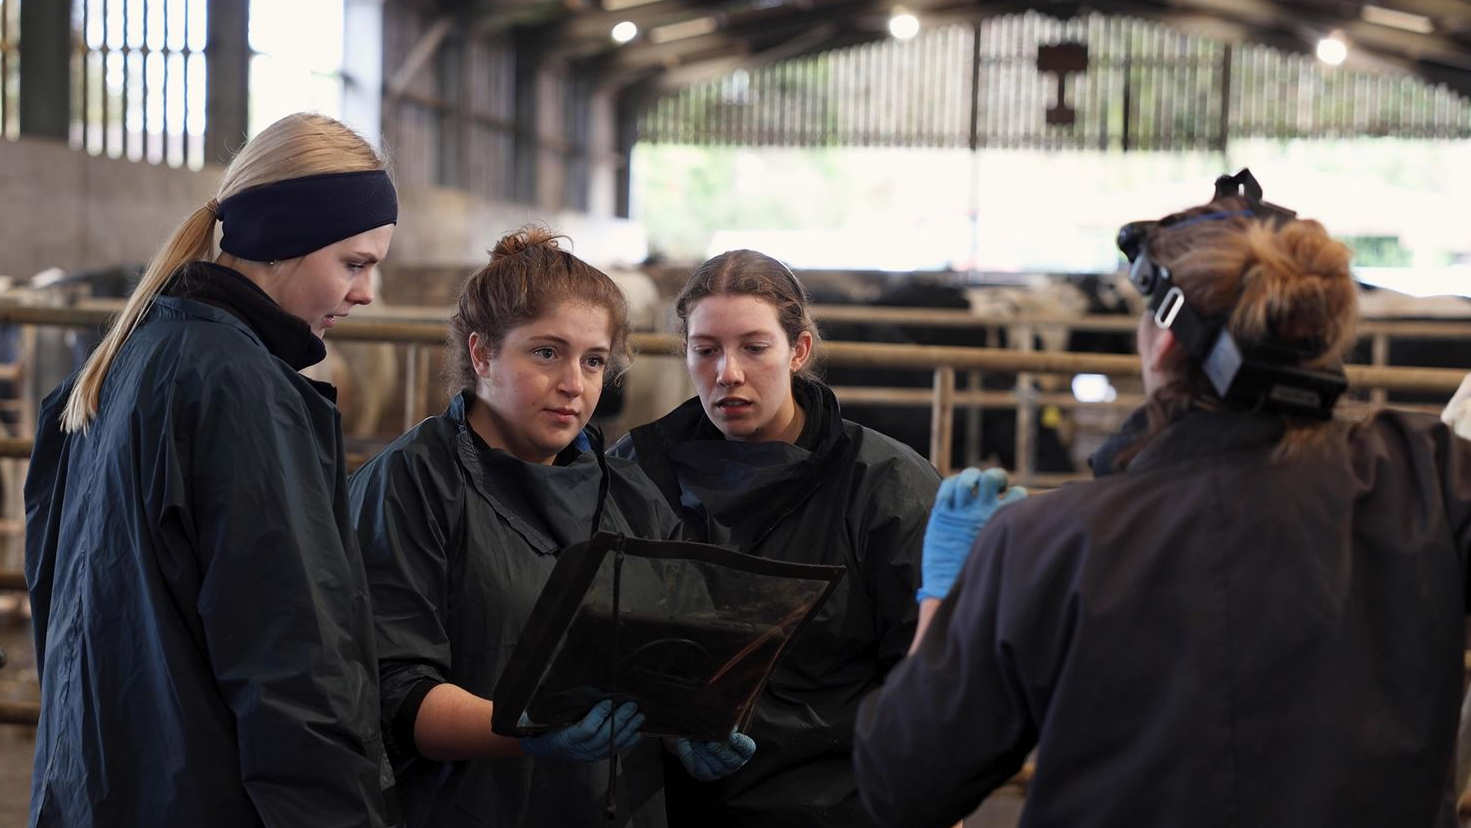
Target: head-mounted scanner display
<point x="1267" y="377"/>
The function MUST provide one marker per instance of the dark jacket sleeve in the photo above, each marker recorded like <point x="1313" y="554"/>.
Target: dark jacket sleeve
<point x="951" y="723"/>
<point x="45" y="478"/>
<point x="283" y="601"/>
<point x="402" y="504"/>
<point x="890" y="539"/>
<point x="1454" y="461"/>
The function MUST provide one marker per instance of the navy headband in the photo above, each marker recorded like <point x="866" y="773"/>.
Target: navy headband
<point x="286" y="219"/>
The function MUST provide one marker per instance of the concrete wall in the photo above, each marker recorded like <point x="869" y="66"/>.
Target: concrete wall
<point x="64" y="208"/>
<point x="450" y="228"/>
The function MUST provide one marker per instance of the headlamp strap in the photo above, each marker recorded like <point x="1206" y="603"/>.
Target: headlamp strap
<point x="1175" y="315"/>
<point x="1244" y="185"/>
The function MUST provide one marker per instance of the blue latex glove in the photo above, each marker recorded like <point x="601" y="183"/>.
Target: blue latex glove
<point x="711" y="760"/>
<point x="587" y="741"/>
<point x="962" y="506"/>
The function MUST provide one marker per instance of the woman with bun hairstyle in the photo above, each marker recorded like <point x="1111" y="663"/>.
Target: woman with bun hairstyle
<point x="1255" y="616"/>
<point x="203" y="633"/>
<point x="762" y="461"/>
<point x="461" y="520"/>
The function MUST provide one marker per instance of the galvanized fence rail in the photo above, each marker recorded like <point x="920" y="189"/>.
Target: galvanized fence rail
<point x="942" y="398"/>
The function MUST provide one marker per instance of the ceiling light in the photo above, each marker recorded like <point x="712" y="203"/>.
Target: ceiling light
<point x="1332" y="50"/>
<point x="903" y="25"/>
<point x="625" y="31"/>
<point x="1395" y="19"/>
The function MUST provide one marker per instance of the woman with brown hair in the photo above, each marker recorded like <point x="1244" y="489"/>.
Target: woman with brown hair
<point x="1254" y="617"/>
<point x="461" y="520"/>
<point x="203" y="635"/>
<point x="762" y="461"/>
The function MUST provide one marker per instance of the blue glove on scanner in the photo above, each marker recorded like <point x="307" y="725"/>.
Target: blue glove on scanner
<point x="962" y="506"/>
<point x="587" y="741"/>
<point x="712" y="760"/>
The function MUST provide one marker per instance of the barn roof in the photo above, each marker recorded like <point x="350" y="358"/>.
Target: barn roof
<point x="685" y="41"/>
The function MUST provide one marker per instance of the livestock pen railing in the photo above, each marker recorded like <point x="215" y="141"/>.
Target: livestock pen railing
<point x="942" y="398"/>
<point x="944" y="362"/>
<point x="1024" y="398"/>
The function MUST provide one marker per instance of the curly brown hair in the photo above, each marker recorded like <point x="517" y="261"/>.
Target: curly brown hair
<point x="528" y="274"/>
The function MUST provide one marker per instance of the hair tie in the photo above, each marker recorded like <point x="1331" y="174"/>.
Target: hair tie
<point x="213" y="206"/>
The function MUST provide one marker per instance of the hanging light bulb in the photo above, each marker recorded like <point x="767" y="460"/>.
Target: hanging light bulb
<point x="1332" y="50"/>
<point x="902" y="24"/>
<point x="625" y="31"/>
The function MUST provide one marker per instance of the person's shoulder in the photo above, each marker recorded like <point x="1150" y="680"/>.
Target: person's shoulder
<point x="219" y="377"/>
<point x="215" y="355"/>
<point x="429" y="448"/>
<point x="879" y="451"/>
<point x="1407" y="441"/>
<point x="201" y="330"/>
<point x="55" y="402"/>
<point x="1395" y="425"/>
<point x="647" y="444"/>
<point x="626" y="471"/>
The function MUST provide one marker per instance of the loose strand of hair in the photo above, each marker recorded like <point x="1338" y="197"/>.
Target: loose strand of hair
<point x="192" y="240"/>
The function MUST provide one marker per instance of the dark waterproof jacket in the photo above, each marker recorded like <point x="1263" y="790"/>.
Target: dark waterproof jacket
<point x="1209" y="638"/>
<point x="459" y="540"/>
<point x="203" y="633"/>
<point x="856" y="499"/>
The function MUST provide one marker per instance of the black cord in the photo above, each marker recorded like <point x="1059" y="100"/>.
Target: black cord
<point x="595" y="441"/>
<point x="612" y="801"/>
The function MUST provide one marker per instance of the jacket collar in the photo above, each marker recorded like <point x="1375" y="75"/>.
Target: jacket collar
<point x="735" y="488"/>
<point x="290" y="339"/>
<point x="551" y="507"/>
<point x="1202" y="434"/>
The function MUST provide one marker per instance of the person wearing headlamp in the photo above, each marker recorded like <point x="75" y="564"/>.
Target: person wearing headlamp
<point x="203" y="631"/>
<point x="1254" y="616"/>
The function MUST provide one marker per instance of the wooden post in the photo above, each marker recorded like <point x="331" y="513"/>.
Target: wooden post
<point x="411" y="385"/>
<point x="1379" y="396"/>
<point x="973" y="414"/>
<point x="421" y="388"/>
<point x="942" y="418"/>
<point x="1026" y="409"/>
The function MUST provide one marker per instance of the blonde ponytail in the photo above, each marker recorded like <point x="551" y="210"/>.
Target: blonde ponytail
<point x="193" y="240"/>
<point x="296" y="146"/>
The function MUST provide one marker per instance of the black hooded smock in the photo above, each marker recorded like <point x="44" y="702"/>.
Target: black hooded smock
<point x="844" y="495"/>
<point x="203" y="634"/>
<point x="459" y="539"/>
<point x="1216" y="636"/>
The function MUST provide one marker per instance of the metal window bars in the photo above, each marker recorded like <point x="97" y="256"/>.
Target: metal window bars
<point x="138" y="80"/>
<point x="1147" y="87"/>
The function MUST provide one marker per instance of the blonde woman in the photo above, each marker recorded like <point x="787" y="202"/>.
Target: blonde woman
<point x="203" y="631"/>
